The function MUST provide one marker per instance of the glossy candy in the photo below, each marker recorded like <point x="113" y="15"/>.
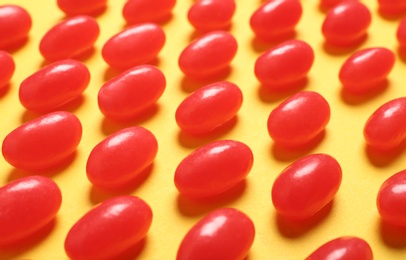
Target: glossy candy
<point x="209" y="55"/>
<point x="276" y="19"/>
<point x="299" y="119"/>
<point x="110" y="228"/>
<point x="222" y="234"/>
<point x="209" y="107"/>
<point x="77" y="7"/>
<point x="134" y="46"/>
<point x="285" y="64"/>
<point x="141" y="11"/>
<point x="27" y="205"/>
<point x="7" y="67"/>
<point x="54" y="85"/>
<point x="132" y="92"/>
<point x="70" y="38"/>
<point x="306" y="186"/>
<point x="328" y="4"/>
<point x="15" y="25"/>
<point x="401" y="33"/>
<point x="44" y="142"/>
<point x="210" y="15"/>
<point x="213" y="168"/>
<point x="392" y="7"/>
<point x="120" y="157"/>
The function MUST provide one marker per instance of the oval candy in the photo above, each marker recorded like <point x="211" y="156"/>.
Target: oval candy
<point x="401" y="34"/>
<point x="392" y="7"/>
<point x="15" y="25"/>
<point x="141" y="11"/>
<point x="78" y="7"/>
<point x="7" y="68"/>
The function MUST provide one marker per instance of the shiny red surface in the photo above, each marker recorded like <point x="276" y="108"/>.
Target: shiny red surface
<point x="15" y="25"/>
<point x="54" y="85"/>
<point x="223" y="234"/>
<point x="327" y="4"/>
<point x="306" y="186"/>
<point x="27" y="205"/>
<point x="392" y="7"/>
<point x="208" y="55"/>
<point x="401" y="33"/>
<point x="120" y="157"/>
<point x="210" y="15"/>
<point x="141" y="11"/>
<point x="109" y="229"/>
<point x="77" y="7"/>
<point x="7" y="68"/>
<point x="213" y="168"/>
<point x="343" y="248"/>
<point x="43" y="142"/>
<point x="134" y="46"/>
<point x="299" y="119"/>
<point x="209" y="107"/>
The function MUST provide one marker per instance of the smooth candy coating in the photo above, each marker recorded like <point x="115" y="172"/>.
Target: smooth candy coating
<point x="109" y="229"/>
<point x="15" y="25"/>
<point x="328" y="4"/>
<point x="213" y="168"/>
<point x="209" y="107"/>
<point x="141" y="11"/>
<point x="385" y="129"/>
<point x="210" y="15"/>
<point x="120" y="157"/>
<point x="54" y="85"/>
<point x="7" y="68"/>
<point x="366" y="69"/>
<point x="222" y="234"/>
<point x="346" y="24"/>
<point x="284" y="64"/>
<point x="44" y="142"/>
<point x="130" y="93"/>
<point x="77" y="7"/>
<point x="209" y="55"/>
<point x="401" y="33"/>
<point x="306" y="186"/>
<point x="343" y="248"/>
<point x="70" y="38"/>
<point x="392" y="7"/>
<point x="27" y="205"/>
<point x="276" y="19"/>
<point x="134" y="46"/>
<point x="299" y="119"/>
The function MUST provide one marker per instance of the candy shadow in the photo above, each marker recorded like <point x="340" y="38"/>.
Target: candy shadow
<point x="15" y="46"/>
<point x="392" y="236"/>
<point x="95" y="13"/>
<point x="161" y="21"/>
<point x="112" y="72"/>
<point x="384" y="158"/>
<point x="270" y="94"/>
<point x="338" y="50"/>
<point x="357" y="98"/>
<point x="401" y="50"/>
<point x="4" y="90"/>
<point x="82" y="57"/>
<point x="190" y="84"/>
<point x="261" y="45"/>
<point x="390" y="16"/>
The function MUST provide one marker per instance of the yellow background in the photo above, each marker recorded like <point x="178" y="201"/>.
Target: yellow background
<point x="353" y="211"/>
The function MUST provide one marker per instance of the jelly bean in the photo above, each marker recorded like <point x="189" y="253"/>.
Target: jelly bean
<point x="223" y="234"/>
<point x="210" y="15"/>
<point x="15" y="25"/>
<point x="299" y="119"/>
<point x="346" y="24"/>
<point x="44" y="142"/>
<point x="209" y="107"/>
<point x="343" y="248"/>
<point x="109" y="229"/>
<point x="208" y="55"/>
<point x="120" y="157"/>
<point x="132" y="92"/>
<point x="392" y="7"/>
<point x="77" y="7"/>
<point x="401" y="33"/>
<point x="141" y="11"/>
<point x="54" y="85"/>
<point x="328" y="4"/>
<point x="134" y="46"/>
<point x="213" y="168"/>
<point x="285" y="64"/>
<point x="366" y="69"/>
<point x="385" y="129"/>
<point x="7" y="67"/>
<point x="70" y="38"/>
<point x="27" y="205"/>
<point x="276" y="19"/>
<point x="306" y="186"/>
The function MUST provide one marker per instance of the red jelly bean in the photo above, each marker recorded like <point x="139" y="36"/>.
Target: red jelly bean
<point x="7" y="67"/>
<point x="386" y="127"/>
<point x="343" y="248"/>
<point x="43" y="142"/>
<point x="401" y="33"/>
<point x="209" y="55"/>
<point x="209" y="107"/>
<point x="109" y="229"/>
<point x="306" y="186"/>
<point x="213" y="169"/>
<point x="285" y="64"/>
<point x="223" y="234"/>
<point x="132" y="92"/>
<point x="276" y="19"/>
<point x="134" y="46"/>
<point x="71" y="38"/>
<point x="119" y="158"/>
<point x="299" y="119"/>
<point x="54" y="85"/>
<point x="328" y="4"/>
<point x="27" y="205"/>
<point x="392" y="7"/>
<point x="366" y="69"/>
<point x="15" y="25"/>
<point x="141" y="11"/>
<point x="77" y="7"/>
<point x="210" y="15"/>
<point x="347" y="23"/>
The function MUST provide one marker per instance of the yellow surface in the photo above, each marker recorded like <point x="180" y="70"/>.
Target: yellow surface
<point x="353" y="211"/>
